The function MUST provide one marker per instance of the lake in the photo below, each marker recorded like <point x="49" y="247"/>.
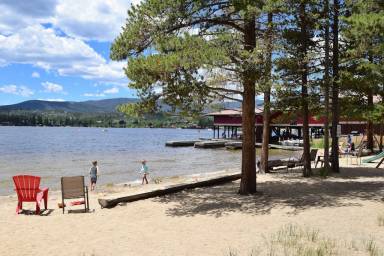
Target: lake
<point x="53" y="152"/>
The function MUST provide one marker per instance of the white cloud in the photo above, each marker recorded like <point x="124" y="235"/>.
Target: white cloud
<point x="35" y="74"/>
<point x="19" y="14"/>
<point x="136" y="2"/>
<point x="52" y="87"/>
<point x="92" y="19"/>
<point x="41" y="47"/>
<point x="57" y="100"/>
<point x="86" y="19"/>
<point x="17" y="90"/>
<point x="94" y="94"/>
<point x="31" y="8"/>
<point x="61" y="48"/>
<point x="112" y="90"/>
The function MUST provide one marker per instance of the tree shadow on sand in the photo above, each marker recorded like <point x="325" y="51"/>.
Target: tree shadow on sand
<point x="291" y="190"/>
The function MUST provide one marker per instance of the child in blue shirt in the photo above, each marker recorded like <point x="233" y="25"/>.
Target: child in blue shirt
<point x="93" y="174"/>
<point x="144" y="170"/>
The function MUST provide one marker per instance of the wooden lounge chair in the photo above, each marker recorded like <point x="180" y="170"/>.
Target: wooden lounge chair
<point x="74" y="188"/>
<point x="313" y="155"/>
<point x="358" y="154"/>
<point x="374" y="158"/>
<point x="27" y="190"/>
<point x="381" y="161"/>
<point x="290" y="162"/>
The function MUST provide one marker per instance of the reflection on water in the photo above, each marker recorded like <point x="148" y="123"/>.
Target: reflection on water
<point x="52" y="152"/>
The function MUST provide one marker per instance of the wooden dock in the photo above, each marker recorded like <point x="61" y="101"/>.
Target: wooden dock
<point x="211" y="144"/>
<point x="109" y="203"/>
<point x="220" y="143"/>
<point x="232" y="145"/>
<point x="181" y="143"/>
<point x="291" y="148"/>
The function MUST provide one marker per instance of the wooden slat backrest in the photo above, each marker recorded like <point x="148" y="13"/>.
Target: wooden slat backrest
<point x="26" y="186"/>
<point x="360" y="151"/>
<point x="72" y="187"/>
<point x="313" y="154"/>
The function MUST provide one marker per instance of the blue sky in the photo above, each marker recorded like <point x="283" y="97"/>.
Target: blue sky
<point x="59" y="50"/>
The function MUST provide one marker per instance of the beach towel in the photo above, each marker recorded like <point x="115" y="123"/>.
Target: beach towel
<point x="77" y="202"/>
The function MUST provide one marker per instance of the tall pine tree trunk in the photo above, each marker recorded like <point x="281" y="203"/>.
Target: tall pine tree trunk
<point x="381" y="134"/>
<point x="335" y="87"/>
<point x="267" y="98"/>
<point x="304" y="90"/>
<point x="326" y="87"/>
<point x="248" y="164"/>
<point x="370" y="132"/>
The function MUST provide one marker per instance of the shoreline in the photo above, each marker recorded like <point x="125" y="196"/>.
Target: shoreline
<point x="344" y="207"/>
<point x="113" y="188"/>
<point x="345" y="162"/>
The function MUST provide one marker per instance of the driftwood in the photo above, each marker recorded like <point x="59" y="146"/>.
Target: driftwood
<point x="110" y="203"/>
<point x="285" y="162"/>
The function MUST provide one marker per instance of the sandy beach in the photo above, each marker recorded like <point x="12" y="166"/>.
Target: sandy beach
<point x="346" y="208"/>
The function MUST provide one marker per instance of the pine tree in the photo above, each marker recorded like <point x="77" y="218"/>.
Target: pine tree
<point x="363" y="61"/>
<point x="326" y="83"/>
<point x="267" y="94"/>
<point x="335" y="86"/>
<point x="297" y="65"/>
<point x="177" y="50"/>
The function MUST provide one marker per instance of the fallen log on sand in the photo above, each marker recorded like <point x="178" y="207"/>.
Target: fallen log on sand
<point x="109" y="203"/>
<point x="284" y="162"/>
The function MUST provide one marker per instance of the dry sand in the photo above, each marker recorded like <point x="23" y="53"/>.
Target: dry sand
<point x="204" y="221"/>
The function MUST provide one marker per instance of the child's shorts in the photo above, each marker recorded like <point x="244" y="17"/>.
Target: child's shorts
<point x="93" y="179"/>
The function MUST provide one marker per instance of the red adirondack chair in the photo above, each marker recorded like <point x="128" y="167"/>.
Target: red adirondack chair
<point x="27" y="189"/>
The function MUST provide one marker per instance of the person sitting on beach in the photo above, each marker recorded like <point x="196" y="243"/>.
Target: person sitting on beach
<point x="349" y="143"/>
<point x="144" y="170"/>
<point x="343" y="150"/>
<point x="93" y="174"/>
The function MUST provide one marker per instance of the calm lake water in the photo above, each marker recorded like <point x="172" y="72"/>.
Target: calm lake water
<point x="52" y="152"/>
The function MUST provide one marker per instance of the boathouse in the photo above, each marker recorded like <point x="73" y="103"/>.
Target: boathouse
<point x="227" y="123"/>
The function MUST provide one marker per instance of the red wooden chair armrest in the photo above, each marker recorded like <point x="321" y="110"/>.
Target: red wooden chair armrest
<point x="44" y="189"/>
<point x="39" y="196"/>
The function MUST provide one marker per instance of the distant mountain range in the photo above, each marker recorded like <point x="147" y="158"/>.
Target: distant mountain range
<point x="90" y="106"/>
<point x="93" y="106"/>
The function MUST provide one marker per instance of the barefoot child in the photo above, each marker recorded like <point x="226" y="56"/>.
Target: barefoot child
<point x="93" y="173"/>
<point x="144" y="170"/>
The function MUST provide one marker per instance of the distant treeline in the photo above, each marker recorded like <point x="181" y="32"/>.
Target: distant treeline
<point x="57" y="118"/>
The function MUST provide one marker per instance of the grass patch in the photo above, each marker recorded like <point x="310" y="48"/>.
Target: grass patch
<point x="157" y="180"/>
<point x="109" y="185"/>
<point x="317" y="143"/>
<point x="293" y="240"/>
<point x="323" y="172"/>
<point x="371" y="248"/>
<point x="380" y="220"/>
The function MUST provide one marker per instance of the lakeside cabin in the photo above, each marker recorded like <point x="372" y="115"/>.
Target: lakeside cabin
<point x="227" y="123"/>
